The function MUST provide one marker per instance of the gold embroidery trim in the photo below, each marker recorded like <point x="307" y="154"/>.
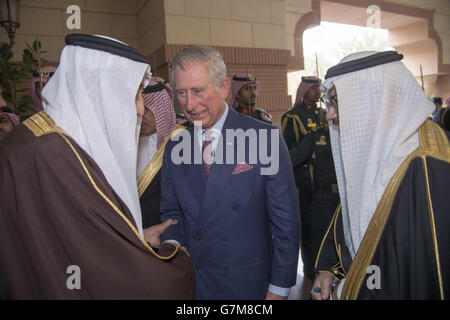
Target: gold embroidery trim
<point x="336" y="213"/>
<point x="433" y="143"/>
<point x="433" y="229"/>
<point x="296" y="124"/>
<point x="41" y="124"/>
<point x="284" y="125"/>
<point x="300" y="125"/>
<point x="295" y="128"/>
<point x="155" y="164"/>
<point x="338" y="246"/>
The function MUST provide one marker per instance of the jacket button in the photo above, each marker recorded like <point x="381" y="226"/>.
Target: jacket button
<point x="225" y="239"/>
<point x="235" y="208"/>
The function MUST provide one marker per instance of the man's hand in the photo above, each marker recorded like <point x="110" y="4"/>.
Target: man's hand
<point x="273" y="296"/>
<point x="323" y="282"/>
<point x="153" y="233"/>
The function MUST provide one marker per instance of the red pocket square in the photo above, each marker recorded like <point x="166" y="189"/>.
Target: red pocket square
<point x="242" y="167"/>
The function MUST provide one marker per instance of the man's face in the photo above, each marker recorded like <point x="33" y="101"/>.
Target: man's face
<point x="199" y="99"/>
<point x="247" y="95"/>
<point x="332" y="113"/>
<point x="312" y="95"/>
<point x="148" y="126"/>
<point x="140" y="108"/>
<point x="5" y="125"/>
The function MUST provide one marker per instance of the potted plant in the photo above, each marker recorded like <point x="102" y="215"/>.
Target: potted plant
<point x="14" y="74"/>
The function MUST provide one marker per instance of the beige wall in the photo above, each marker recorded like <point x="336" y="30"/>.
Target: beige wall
<point x="422" y="35"/>
<point x="150" y="25"/>
<point x="153" y="25"/>
<point x="234" y="23"/>
<point x="441" y="19"/>
<point x="46" y="20"/>
<point x="295" y="9"/>
<point x="231" y="25"/>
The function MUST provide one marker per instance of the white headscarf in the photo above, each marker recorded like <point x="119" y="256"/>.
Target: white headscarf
<point x="147" y="149"/>
<point x="380" y="111"/>
<point x="92" y="97"/>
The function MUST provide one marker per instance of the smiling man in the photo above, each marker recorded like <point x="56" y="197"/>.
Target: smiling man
<point x="239" y="227"/>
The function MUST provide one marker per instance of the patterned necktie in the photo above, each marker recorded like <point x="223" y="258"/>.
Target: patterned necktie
<point x="207" y="153"/>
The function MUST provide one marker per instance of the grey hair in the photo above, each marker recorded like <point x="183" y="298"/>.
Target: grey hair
<point x="216" y="67"/>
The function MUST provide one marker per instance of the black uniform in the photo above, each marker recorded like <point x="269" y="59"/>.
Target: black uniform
<point x="325" y="198"/>
<point x="313" y="164"/>
<point x="445" y="120"/>
<point x="442" y="118"/>
<point x="297" y="123"/>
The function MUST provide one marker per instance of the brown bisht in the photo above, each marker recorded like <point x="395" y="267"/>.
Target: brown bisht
<point x="64" y="232"/>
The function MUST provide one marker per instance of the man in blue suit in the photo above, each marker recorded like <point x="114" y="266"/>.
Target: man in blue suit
<point x="229" y="184"/>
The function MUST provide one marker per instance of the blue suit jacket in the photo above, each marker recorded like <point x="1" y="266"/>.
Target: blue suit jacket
<point x="241" y="230"/>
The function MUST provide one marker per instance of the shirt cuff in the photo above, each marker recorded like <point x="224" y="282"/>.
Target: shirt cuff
<point x="173" y="241"/>
<point x="284" y="292"/>
<point x="340" y="287"/>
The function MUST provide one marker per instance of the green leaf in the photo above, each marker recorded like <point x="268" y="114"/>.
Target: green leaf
<point x="15" y="77"/>
<point x="29" y="47"/>
<point x="27" y="57"/>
